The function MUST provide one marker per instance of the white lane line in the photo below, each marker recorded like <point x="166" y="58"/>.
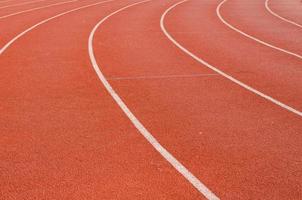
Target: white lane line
<point x="280" y="17"/>
<point x="37" y="8"/>
<point x="162" y="77"/>
<point x="269" y="98"/>
<point x="252" y="37"/>
<point x="148" y="136"/>
<point x="20" y="4"/>
<point x="2" y="50"/>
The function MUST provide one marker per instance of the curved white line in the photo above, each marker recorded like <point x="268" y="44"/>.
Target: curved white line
<point x="280" y="17"/>
<point x="37" y="8"/>
<point x="44" y="21"/>
<point x="252" y="37"/>
<point x="20" y="4"/>
<point x="148" y="136"/>
<point x="271" y="99"/>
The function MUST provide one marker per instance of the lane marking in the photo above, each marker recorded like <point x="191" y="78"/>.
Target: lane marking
<point x="280" y="17"/>
<point x="162" y="76"/>
<point x="20" y="4"/>
<point x="247" y="87"/>
<point x="148" y="136"/>
<point x="252" y="37"/>
<point x="7" y="45"/>
<point x="37" y="8"/>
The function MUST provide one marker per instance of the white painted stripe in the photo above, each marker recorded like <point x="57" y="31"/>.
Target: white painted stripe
<point x="162" y="76"/>
<point x="252" y="37"/>
<point x="280" y="17"/>
<point x="148" y="136"/>
<point x="269" y="98"/>
<point x="2" y="50"/>
<point x="20" y="4"/>
<point x="38" y="8"/>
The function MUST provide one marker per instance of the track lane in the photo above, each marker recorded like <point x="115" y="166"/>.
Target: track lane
<point x="215" y="69"/>
<point x="156" y="101"/>
<point x="13" y="40"/>
<point x="239" y="145"/>
<point x="5" y="1"/>
<point x="272" y="73"/>
<point x="21" y="4"/>
<point x="16" y="9"/>
<point x="14" y="25"/>
<point x="10" y="14"/>
<point x="290" y="10"/>
<point x="253" y="22"/>
<point x="72" y="141"/>
<point x="12" y="2"/>
<point x="268" y="8"/>
<point x="201" y="187"/>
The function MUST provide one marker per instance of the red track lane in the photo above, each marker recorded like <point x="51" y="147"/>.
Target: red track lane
<point x="12" y="2"/>
<point x="288" y="9"/>
<point x="21" y="4"/>
<point x="63" y="137"/>
<point x="36" y="8"/>
<point x="271" y="72"/>
<point x="238" y="144"/>
<point x="253" y="19"/>
<point x="12" y="10"/>
<point x="12" y="26"/>
<point x="8" y="2"/>
<point x="6" y="11"/>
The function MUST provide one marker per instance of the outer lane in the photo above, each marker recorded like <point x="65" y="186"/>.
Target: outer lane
<point x="12" y="26"/>
<point x="7" y="11"/>
<point x="253" y="19"/>
<point x="21" y="4"/>
<point x="290" y="10"/>
<point x="263" y="68"/>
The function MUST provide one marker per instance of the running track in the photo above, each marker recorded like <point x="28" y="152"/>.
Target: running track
<point x="157" y="99"/>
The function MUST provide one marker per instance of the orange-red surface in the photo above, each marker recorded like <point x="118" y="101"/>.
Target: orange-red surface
<point x="63" y="137"/>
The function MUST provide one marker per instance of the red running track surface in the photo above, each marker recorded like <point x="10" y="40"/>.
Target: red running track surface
<point x="290" y="10"/>
<point x="62" y="136"/>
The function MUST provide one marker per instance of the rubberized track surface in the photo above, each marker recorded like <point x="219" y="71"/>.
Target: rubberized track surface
<point x="156" y="99"/>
